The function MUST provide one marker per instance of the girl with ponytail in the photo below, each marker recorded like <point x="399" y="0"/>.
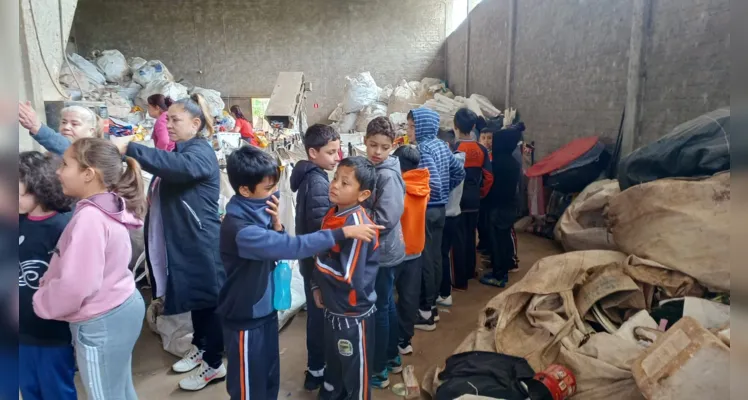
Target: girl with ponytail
<point x="158" y="105"/>
<point x="88" y="282"/>
<point x="182" y="233"/>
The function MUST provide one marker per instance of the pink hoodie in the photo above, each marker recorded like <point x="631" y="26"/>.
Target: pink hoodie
<point x="160" y="134"/>
<point x="88" y="274"/>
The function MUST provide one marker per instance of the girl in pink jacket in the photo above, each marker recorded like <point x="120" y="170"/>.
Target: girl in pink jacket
<point x="88" y="283"/>
<point x="158" y="105"/>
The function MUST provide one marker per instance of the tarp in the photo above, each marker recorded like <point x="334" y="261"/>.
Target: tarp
<point x="562" y="157"/>
<point x="683" y="224"/>
<point x="700" y="147"/>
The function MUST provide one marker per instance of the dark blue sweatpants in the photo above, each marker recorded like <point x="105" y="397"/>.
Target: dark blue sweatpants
<point x="253" y="370"/>
<point x="46" y="372"/>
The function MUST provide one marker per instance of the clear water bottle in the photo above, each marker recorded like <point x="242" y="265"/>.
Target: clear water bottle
<point x="282" y="281"/>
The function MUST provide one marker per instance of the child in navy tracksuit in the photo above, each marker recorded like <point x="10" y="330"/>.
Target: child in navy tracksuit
<point x="252" y="240"/>
<point x="46" y="365"/>
<point x="344" y="281"/>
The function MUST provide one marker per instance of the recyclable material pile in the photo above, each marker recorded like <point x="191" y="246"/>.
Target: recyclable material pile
<point x="641" y="308"/>
<point x="363" y="100"/>
<point x="125" y="84"/>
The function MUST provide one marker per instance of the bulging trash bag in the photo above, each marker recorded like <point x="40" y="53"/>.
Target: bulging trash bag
<point x="213" y="97"/>
<point x="114" y="66"/>
<point x="360" y="91"/>
<point x="697" y="148"/>
<point x="403" y="99"/>
<point x="370" y="112"/>
<point x="135" y="63"/>
<point x="152" y="71"/>
<point x="89" y="69"/>
<point x="169" y="89"/>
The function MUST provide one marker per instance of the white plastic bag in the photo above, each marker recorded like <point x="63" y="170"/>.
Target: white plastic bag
<point x="175" y="330"/>
<point x="213" y="97"/>
<point x="169" y="89"/>
<point x="360" y="91"/>
<point x="377" y="109"/>
<point x="114" y="66"/>
<point x="385" y="93"/>
<point x="135" y="63"/>
<point x="76" y="79"/>
<point x="402" y="99"/>
<point x="152" y="71"/>
<point x="88" y="68"/>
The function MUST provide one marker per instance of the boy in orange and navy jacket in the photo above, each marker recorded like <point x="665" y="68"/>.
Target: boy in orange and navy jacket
<point x="408" y="273"/>
<point x="343" y="285"/>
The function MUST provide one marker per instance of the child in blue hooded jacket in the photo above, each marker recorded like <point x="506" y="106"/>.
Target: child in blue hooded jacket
<point x="445" y="174"/>
<point x="252" y="240"/>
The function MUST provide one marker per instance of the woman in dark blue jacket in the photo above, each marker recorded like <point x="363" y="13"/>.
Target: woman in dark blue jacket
<point x="182" y="232"/>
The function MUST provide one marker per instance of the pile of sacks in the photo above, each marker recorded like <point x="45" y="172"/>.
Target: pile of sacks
<point x="124" y="83"/>
<point x="363" y="100"/>
<point x="639" y="305"/>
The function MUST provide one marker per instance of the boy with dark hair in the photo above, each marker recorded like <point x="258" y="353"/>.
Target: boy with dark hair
<point x="445" y="174"/>
<point x="453" y="250"/>
<point x="252" y="240"/>
<point x="478" y="182"/>
<point x="309" y="179"/>
<point x="408" y="273"/>
<point x="344" y="281"/>
<point x="385" y="207"/>
<point x="46" y="367"/>
<point x="502" y="202"/>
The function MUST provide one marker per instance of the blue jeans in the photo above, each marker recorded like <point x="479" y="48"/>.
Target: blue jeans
<point x="385" y="316"/>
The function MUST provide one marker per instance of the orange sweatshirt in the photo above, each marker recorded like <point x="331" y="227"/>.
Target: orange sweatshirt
<point x="414" y="215"/>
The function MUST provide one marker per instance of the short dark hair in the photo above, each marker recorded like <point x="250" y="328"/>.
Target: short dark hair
<point x="365" y="173"/>
<point x="248" y="166"/>
<point x="319" y="135"/>
<point x="447" y="135"/>
<point x="38" y="172"/>
<point x="380" y="126"/>
<point x="409" y="157"/>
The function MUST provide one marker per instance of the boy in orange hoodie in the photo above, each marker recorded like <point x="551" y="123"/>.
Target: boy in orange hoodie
<point x="408" y="274"/>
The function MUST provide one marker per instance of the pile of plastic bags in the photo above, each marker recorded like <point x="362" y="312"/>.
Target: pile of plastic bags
<point x="124" y="83"/>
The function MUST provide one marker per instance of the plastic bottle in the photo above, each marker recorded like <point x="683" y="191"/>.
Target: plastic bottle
<point x="282" y="282"/>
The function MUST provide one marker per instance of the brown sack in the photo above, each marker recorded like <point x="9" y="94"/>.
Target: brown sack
<point x="682" y="224"/>
<point x="583" y="225"/>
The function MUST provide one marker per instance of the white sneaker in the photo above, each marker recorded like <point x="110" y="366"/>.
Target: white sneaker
<point x="444" y="301"/>
<point x="202" y="377"/>
<point x="189" y="362"/>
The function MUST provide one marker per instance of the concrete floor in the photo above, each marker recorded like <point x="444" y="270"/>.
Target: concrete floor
<point x="155" y="381"/>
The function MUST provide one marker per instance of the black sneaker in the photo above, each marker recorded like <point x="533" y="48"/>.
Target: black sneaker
<point x="312" y="383"/>
<point x="435" y="314"/>
<point x="404" y="347"/>
<point x="424" y="324"/>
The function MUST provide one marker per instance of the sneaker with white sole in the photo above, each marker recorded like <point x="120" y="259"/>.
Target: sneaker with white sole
<point x="202" y="377"/>
<point x="404" y="347"/>
<point x="190" y="361"/>
<point x="425" y="324"/>
<point x="435" y="314"/>
<point x="444" y="301"/>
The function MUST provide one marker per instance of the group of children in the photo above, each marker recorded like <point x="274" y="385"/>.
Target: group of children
<point x="393" y="222"/>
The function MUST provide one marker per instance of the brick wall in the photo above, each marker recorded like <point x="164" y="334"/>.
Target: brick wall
<point x="239" y="46"/>
<point x="687" y="63"/>
<point x="571" y="64"/>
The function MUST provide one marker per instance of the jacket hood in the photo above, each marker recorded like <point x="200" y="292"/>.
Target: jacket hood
<point x="250" y="210"/>
<point x="300" y="170"/>
<point x="391" y="163"/>
<point x="427" y="124"/>
<point x="505" y="140"/>
<point x="113" y="206"/>
<point x="417" y="182"/>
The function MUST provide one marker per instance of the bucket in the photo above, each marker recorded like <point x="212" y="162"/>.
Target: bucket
<point x="559" y="380"/>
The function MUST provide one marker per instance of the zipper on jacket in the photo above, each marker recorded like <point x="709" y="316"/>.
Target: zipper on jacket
<point x="199" y="224"/>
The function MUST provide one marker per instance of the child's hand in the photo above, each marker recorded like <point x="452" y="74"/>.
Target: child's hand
<point x="317" y="294"/>
<point x="272" y="209"/>
<point x="361" y="232"/>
